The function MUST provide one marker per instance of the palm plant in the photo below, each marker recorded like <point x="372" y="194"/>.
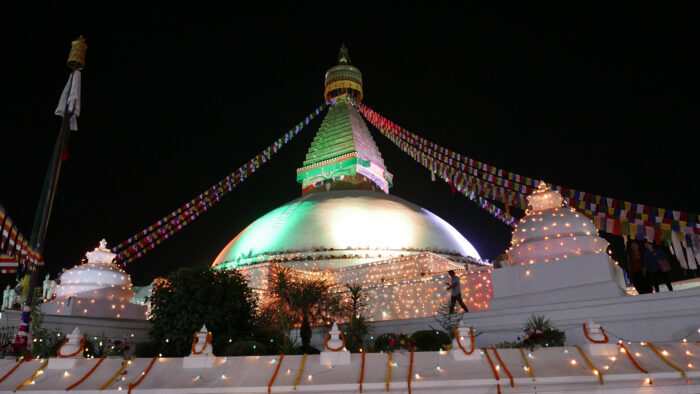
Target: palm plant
<point x="357" y="328"/>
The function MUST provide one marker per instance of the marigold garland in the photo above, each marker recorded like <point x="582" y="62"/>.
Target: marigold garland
<point x="388" y="373"/>
<point x="596" y="371"/>
<point x="143" y="375"/>
<point x="471" y="338"/>
<point x="585" y="333"/>
<point x="72" y="386"/>
<point x="328" y="338"/>
<point x="26" y="382"/>
<point x="493" y="368"/>
<point x="301" y="371"/>
<point x="410" y="372"/>
<point x="629" y="354"/>
<point x="512" y="384"/>
<point x="527" y="364"/>
<point x="80" y="348"/>
<point x="667" y="361"/>
<point x="274" y="375"/>
<point x="124" y="364"/>
<point x="21" y="360"/>
<point x="362" y="371"/>
<point x="206" y="342"/>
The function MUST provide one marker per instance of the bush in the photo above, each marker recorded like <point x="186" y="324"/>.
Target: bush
<point x="272" y="338"/>
<point x="391" y="342"/>
<point x="146" y="349"/>
<point x="245" y="348"/>
<point x="431" y="340"/>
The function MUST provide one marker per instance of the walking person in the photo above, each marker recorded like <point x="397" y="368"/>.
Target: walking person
<point x="456" y="292"/>
<point x="635" y="262"/>
<point x="657" y="267"/>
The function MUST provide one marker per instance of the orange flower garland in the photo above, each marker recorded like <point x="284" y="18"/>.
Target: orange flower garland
<point x="527" y="364"/>
<point x="362" y="370"/>
<point x="301" y="371"/>
<point x="493" y="368"/>
<point x="143" y="375"/>
<point x="124" y="364"/>
<point x="471" y="338"/>
<point x="274" y="375"/>
<point x="80" y="348"/>
<point x="512" y="384"/>
<point x="585" y="333"/>
<point x="667" y="361"/>
<point x="71" y="387"/>
<point x="34" y="375"/>
<point x="631" y="358"/>
<point x="328" y="337"/>
<point x="194" y="341"/>
<point x="596" y="371"/>
<point x="21" y="360"/>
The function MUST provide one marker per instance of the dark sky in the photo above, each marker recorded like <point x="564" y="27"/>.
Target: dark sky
<point x="600" y="99"/>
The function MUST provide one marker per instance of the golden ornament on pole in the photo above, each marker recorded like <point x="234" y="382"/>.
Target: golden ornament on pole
<point x="76" y="58"/>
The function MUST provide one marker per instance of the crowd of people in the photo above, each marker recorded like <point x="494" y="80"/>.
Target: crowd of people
<point x="648" y="267"/>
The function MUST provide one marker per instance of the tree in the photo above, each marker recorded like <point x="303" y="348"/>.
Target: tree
<point x="302" y="302"/>
<point x="357" y="328"/>
<point x="192" y="296"/>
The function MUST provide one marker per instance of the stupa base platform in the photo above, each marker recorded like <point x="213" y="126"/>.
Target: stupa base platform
<point x="76" y="306"/>
<point x="430" y="372"/>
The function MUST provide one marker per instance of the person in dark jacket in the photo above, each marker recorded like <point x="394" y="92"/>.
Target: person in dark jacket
<point x="653" y="266"/>
<point x="635" y="263"/>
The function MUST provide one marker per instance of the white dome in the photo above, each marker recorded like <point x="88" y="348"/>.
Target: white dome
<point x="345" y="220"/>
<point x="99" y="278"/>
<point x="550" y="232"/>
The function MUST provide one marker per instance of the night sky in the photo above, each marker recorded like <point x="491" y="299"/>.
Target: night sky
<point x="603" y="100"/>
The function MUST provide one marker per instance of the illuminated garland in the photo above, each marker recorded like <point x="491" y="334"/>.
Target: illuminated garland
<point x="143" y="375"/>
<point x="21" y="360"/>
<point x="605" y="336"/>
<point x="471" y="337"/>
<point x="667" y="361"/>
<point x="328" y="337"/>
<point x="624" y="350"/>
<point x="71" y="387"/>
<point x="140" y="243"/>
<point x="388" y="373"/>
<point x="457" y="179"/>
<point x="362" y="371"/>
<point x="80" y="348"/>
<point x="124" y="364"/>
<point x="512" y="384"/>
<point x="34" y="375"/>
<point x="493" y="368"/>
<point x="206" y="341"/>
<point x="458" y="169"/>
<point x="596" y="371"/>
<point x="527" y="364"/>
<point x="274" y="375"/>
<point x="410" y="372"/>
<point x="301" y="371"/>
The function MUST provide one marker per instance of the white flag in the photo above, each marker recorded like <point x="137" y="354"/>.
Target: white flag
<point x="70" y="98"/>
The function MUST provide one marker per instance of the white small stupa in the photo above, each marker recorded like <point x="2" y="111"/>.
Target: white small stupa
<point x="552" y="232"/>
<point x="557" y="257"/>
<point x="97" y="288"/>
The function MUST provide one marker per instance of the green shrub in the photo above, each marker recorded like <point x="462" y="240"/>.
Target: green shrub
<point x="245" y="348"/>
<point x="146" y="349"/>
<point x="273" y="339"/>
<point x="431" y="340"/>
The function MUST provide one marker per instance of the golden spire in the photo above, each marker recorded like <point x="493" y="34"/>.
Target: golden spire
<point x="76" y="58"/>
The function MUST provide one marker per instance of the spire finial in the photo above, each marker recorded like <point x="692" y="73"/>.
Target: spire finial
<point x="344" y="56"/>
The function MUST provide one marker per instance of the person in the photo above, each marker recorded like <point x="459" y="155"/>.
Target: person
<point x="635" y="262"/>
<point x="456" y="292"/>
<point x="657" y="271"/>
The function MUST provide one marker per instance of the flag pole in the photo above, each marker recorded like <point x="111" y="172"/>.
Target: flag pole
<point x="76" y="62"/>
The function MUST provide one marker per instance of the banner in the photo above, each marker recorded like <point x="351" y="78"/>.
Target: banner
<point x="15" y="251"/>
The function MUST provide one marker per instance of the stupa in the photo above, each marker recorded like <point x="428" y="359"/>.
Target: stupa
<point x="348" y="228"/>
<point x="97" y="288"/>
<point x="557" y="256"/>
